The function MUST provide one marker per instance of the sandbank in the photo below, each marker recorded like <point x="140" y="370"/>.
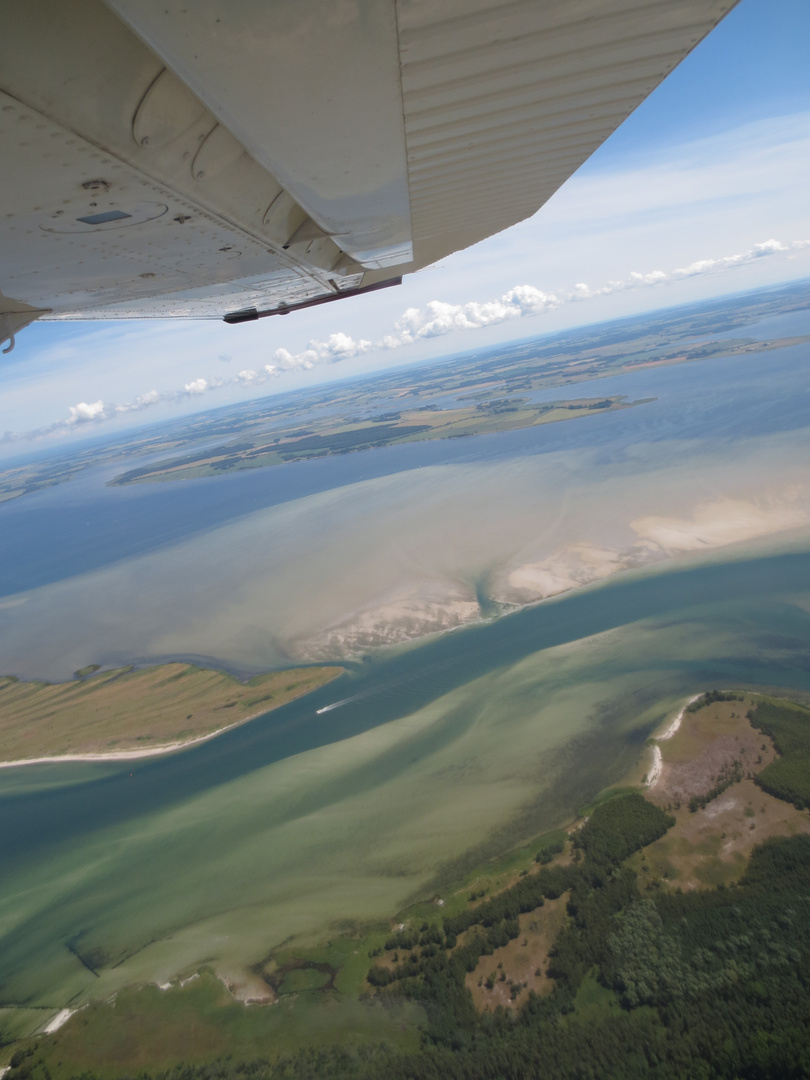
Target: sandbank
<point x="713" y="525"/>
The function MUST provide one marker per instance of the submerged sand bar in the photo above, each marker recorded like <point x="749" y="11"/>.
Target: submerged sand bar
<point x="126" y="714"/>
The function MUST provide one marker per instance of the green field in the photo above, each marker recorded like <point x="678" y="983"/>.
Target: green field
<point x="150" y="1028"/>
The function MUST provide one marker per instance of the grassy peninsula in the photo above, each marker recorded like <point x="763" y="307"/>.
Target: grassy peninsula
<point x="135" y="710"/>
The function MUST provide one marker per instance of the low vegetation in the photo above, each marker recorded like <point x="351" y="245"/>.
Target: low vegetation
<point x="129" y="709"/>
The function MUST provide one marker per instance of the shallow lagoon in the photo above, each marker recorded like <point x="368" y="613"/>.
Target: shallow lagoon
<point x="442" y="753"/>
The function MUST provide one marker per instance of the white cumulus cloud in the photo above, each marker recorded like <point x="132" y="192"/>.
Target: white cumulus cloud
<point x="85" y="411"/>
<point x="437" y="318"/>
<point x="142" y="401"/>
<point x="708" y="266"/>
<point x="636" y="280"/>
<point x="440" y="317"/>
<point x="338" y="346"/>
<point x="196" y="386"/>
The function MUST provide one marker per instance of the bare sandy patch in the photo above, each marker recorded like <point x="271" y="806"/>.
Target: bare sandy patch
<point x="58" y="1021"/>
<point x="247" y="987"/>
<point x="652" y="539"/>
<point x="401" y="617"/>
<point x="722" y="522"/>
<point x="566" y="568"/>
<point x="656" y="767"/>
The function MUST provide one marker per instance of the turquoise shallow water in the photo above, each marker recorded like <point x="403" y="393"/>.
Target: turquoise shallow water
<point x="754" y="593"/>
<point x="120" y="855"/>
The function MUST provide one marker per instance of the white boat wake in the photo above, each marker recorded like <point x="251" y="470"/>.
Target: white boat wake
<point x="334" y="705"/>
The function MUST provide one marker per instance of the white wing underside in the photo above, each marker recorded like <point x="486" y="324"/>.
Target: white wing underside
<point x="196" y="158"/>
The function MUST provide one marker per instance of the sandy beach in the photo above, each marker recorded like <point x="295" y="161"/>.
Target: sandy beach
<point x="654" y="775"/>
<point x="128" y="755"/>
<point x="676" y="723"/>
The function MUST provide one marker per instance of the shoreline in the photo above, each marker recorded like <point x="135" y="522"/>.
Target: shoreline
<point x="657" y="767"/>
<point x="134" y="754"/>
<point x="569" y="826"/>
<point x="676" y="723"/>
<point x="129" y="755"/>
<point x="654" y="775"/>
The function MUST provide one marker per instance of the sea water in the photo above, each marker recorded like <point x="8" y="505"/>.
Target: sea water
<point x="433" y="753"/>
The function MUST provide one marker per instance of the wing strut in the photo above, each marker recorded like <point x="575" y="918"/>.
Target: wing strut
<point x="251" y="314"/>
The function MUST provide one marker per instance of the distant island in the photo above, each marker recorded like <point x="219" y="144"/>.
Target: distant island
<point x="341" y="436"/>
<point x="485" y="390"/>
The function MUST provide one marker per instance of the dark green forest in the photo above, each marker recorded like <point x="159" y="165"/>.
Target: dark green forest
<point x="709" y="984"/>
<point x="788" y="725"/>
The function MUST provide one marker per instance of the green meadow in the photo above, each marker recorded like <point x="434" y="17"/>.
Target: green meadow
<point x="147" y="1028"/>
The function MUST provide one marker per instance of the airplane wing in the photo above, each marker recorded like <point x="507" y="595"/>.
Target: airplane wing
<point x="231" y="158"/>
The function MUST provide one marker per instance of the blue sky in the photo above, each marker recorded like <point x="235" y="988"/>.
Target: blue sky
<point x="702" y="192"/>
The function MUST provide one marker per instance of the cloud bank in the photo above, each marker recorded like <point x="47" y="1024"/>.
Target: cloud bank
<point x="436" y="319"/>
